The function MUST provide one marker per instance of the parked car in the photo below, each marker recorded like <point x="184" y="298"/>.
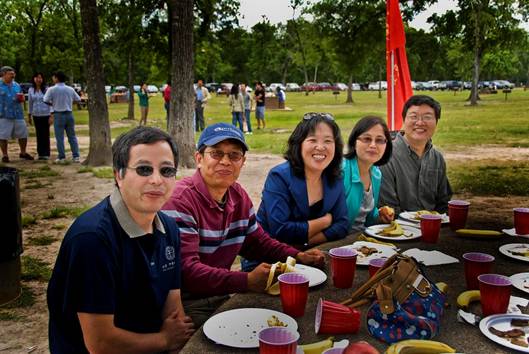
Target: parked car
<point x="293" y="87"/>
<point x="434" y="84"/>
<point x="273" y="87"/>
<point x="326" y="86"/>
<point x="343" y="87"/>
<point x="373" y="86"/>
<point x="450" y="85"/>
<point x="108" y="88"/>
<point x="424" y="86"/>
<point x="503" y="84"/>
<point x="212" y="86"/>
<point x="310" y="86"/>
<point x="152" y="89"/>
<point x="467" y="85"/>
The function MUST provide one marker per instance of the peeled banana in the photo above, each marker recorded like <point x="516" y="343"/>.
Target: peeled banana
<point x="478" y="233"/>
<point x="317" y="347"/>
<point x="419" y="346"/>
<point x="394" y="229"/>
<point x="443" y="287"/>
<point x="467" y="297"/>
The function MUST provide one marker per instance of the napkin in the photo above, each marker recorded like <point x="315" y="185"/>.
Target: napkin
<point x="429" y="258"/>
<point x="374" y="240"/>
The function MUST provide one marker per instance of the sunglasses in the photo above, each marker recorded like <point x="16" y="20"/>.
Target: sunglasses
<point x="146" y="171"/>
<point x="234" y="156"/>
<point x="310" y="115"/>
<point x="368" y="140"/>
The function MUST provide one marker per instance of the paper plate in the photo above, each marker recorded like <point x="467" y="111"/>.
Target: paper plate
<point x="513" y="247"/>
<point x="240" y="328"/>
<point x="412" y="216"/>
<point x="410" y="232"/>
<point x="502" y="323"/>
<point x="512" y="232"/>
<point x="383" y="251"/>
<point x="521" y="281"/>
<point x="316" y="276"/>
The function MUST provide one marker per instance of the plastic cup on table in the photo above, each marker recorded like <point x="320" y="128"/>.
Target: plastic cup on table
<point x="278" y="340"/>
<point x="476" y="263"/>
<point x="458" y="212"/>
<point x="521" y="221"/>
<point x="20" y="97"/>
<point x="430" y="227"/>
<point x="495" y="291"/>
<point x="343" y="266"/>
<point x="333" y="318"/>
<point x="294" y="291"/>
<point x="375" y="264"/>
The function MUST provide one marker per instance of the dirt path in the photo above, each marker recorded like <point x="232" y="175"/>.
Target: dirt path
<point x="70" y="189"/>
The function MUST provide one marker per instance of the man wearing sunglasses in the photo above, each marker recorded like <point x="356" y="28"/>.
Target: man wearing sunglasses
<point x="116" y="282"/>
<point x="415" y="176"/>
<point x="217" y="222"/>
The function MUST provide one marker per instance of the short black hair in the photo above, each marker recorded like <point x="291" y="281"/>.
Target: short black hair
<point x="418" y="100"/>
<point x="300" y="133"/>
<point x="61" y="77"/>
<point x="363" y="125"/>
<point x="139" y="135"/>
<point x="43" y="85"/>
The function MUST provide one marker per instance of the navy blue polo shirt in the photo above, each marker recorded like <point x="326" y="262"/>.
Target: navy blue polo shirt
<point x="108" y="265"/>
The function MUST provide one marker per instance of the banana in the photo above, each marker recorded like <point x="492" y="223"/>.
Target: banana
<point x="419" y="346"/>
<point x="467" y="297"/>
<point x="397" y="232"/>
<point x="390" y="228"/>
<point x="478" y="233"/>
<point x="317" y="347"/>
<point x="443" y="287"/>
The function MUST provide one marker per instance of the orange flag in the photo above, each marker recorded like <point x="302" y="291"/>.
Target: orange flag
<point x="397" y="71"/>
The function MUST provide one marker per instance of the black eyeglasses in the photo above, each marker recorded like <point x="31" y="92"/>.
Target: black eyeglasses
<point x="146" y="171"/>
<point x="310" y="115"/>
<point x="234" y="156"/>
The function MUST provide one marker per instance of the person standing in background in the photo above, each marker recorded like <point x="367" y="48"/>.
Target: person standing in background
<point x="143" y="94"/>
<point x="247" y="108"/>
<point x="61" y="97"/>
<point x="260" y="104"/>
<point x="42" y="115"/>
<point x="236" y="103"/>
<point x="12" y="123"/>
<point x="201" y="99"/>
<point x="167" y="100"/>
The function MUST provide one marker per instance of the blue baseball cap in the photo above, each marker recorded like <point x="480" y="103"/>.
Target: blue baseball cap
<point x="218" y="132"/>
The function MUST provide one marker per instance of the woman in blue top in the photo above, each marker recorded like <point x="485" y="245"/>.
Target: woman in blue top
<point x="303" y="201"/>
<point x="369" y="146"/>
<point x="41" y="113"/>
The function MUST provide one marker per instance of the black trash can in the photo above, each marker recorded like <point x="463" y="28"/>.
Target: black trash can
<point x="10" y="235"/>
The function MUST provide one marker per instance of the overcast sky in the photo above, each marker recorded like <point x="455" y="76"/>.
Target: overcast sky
<point x="278" y="11"/>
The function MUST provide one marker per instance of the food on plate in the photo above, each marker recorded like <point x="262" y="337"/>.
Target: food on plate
<point x="467" y="297"/>
<point x="361" y="347"/>
<point x="367" y="251"/>
<point x="317" y="347"/>
<point x="389" y="211"/>
<point x="478" y="233"/>
<point x="512" y="333"/>
<point x="418" y="213"/>
<point x="518" y="322"/>
<point x="273" y="321"/>
<point x="520" y="341"/>
<point x="393" y="230"/>
<point x="419" y="346"/>
<point x="272" y="285"/>
<point x="522" y="251"/>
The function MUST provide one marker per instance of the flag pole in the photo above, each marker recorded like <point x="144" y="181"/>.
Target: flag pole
<point x="392" y="54"/>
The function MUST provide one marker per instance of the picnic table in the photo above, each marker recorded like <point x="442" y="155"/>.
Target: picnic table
<point x="461" y="336"/>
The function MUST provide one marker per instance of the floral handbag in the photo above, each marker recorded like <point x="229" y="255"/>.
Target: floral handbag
<point x="405" y="304"/>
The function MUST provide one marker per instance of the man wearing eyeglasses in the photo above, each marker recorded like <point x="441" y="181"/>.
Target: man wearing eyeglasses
<point x="217" y="222"/>
<point x="415" y="177"/>
<point x="116" y="282"/>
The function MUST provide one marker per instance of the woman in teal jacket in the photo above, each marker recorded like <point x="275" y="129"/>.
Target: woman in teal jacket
<point x="369" y="146"/>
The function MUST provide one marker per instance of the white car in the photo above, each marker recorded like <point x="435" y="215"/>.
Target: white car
<point x="152" y="89"/>
<point x="273" y="87"/>
<point x="293" y="87"/>
<point x="434" y="84"/>
<point x="343" y="87"/>
<point x="373" y="86"/>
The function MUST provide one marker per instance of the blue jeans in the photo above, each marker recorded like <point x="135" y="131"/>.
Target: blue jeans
<point x="237" y="117"/>
<point x="64" y="121"/>
<point x="248" y="121"/>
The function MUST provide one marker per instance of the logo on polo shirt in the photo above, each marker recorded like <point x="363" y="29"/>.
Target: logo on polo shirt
<point x="170" y="253"/>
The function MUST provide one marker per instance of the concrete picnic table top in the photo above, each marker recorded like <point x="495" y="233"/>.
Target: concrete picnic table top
<point x="461" y="336"/>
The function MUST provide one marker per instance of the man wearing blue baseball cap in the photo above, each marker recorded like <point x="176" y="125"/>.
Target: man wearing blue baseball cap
<point x="217" y="222"/>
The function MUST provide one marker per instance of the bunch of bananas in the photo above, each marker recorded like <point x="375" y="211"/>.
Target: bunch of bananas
<point x="317" y="347"/>
<point x="394" y="229"/>
<point x="419" y="346"/>
<point x="466" y="298"/>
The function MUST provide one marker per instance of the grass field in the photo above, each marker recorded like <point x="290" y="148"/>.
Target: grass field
<point x="494" y="121"/>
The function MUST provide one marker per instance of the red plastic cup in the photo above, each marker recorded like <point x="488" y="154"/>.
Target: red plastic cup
<point x="495" y="291"/>
<point x="294" y="291"/>
<point x="20" y="97"/>
<point x="430" y="227"/>
<point x="476" y="263"/>
<point x="458" y="212"/>
<point x="333" y="318"/>
<point x="278" y="340"/>
<point x="521" y="220"/>
<point x="343" y="265"/>
<point x="375" y="264"/>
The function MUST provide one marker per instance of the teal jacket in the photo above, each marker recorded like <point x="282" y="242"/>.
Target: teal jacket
<point x="354" y="190"/>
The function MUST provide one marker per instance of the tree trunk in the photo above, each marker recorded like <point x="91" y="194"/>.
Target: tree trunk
<point x="474" y="95"/>
<point x="100" y="152"/>
<point x="350" y="90"/>
<point x="130" y="74"/>
<point x="182" y="107"/>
